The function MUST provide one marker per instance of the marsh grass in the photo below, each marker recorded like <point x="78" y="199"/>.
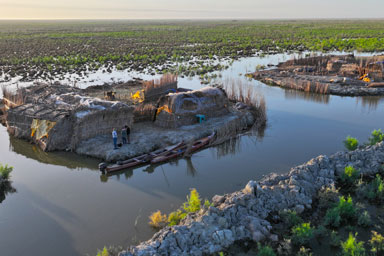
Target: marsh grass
<point x="5" y="171"/>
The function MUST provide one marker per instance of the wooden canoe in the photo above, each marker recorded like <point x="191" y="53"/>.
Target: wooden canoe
<point x="169" y="155"/>
<point x="376" y="85"/>
<point x="139" y="160"/>
<point x="177" y="152"/>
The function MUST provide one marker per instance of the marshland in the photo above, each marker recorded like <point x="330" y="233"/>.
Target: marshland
<point x="64" y="194"/>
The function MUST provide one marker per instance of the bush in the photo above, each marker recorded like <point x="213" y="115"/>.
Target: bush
<point x="328" y="196"/>
<point x="290" y="218"/>
<point x="343" y="212"/>
<point x="265" y="250"/>
<point x="104" y="252"/>
<point x="5" y="171"/>
<point x="376" y="136"/>
<point x="351" y="247"/>
<point x="377" y="243"/>
<point x="351" y="143"/>
<point x="320" y="231"/>
<point x="302" y="234"/>
<point x="334" y="239"/>
<point x="158" y="220"/>
<point x="364" y="219"/>
<point x="174" y="218"/>
<point x="374" y="191"/>
<point x="349" y="176"/>
<point x="304" y="252"/>
<point x="193" y="203"/>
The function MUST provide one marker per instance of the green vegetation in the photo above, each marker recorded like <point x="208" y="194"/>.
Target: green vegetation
<point x="193" y="204"/>
<point x="5" y="171"/>
<point x="265" y="251"/>
<point x="301" y="234"/>
<point x="376" y="136"/>
<point x="349" y="176"/>
<point x="351" y="143"/>
<point x="377" y="243"/>
<point x="343" y="212"/>
<point x="290" y="218"/>
<point x="364" y="219"/>
<point x="304" y="252"/>
<point x="374" y="191"/>
<point x="351" y="247"/>
<point x="104" y="252"/>
<point x="82" y="45"/>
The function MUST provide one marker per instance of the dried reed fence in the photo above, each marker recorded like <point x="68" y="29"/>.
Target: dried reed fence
<point x="166" y="79"/>
<point x="239" y="90"/>
<point x="144" y="112"/>
<point x="13" y="99"/>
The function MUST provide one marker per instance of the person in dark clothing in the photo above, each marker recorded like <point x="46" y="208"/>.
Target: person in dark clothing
<point x="124" y="135"/>
<point x="128" y="133"/>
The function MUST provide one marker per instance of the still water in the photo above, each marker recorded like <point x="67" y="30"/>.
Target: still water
<point x="63" y="206"/>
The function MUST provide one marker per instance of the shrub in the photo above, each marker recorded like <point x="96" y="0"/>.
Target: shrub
<point x="334" y="239"/>
<point x="332" y="218"/>
<point x="265" y="250"/>
<point x="158" y="220"/>
<point x="377" y="243"/>
<point x="290" y="218"/>
<point x="5" y="171"/>
<point x="304" y="252"/>
<point x="193" y="203"/>
<point x="104" y="252"/>
<point x="344" y="211"/>
<point x="328" y="196"/>
<point x="374" y="191"/>
<point x="376" y="136"/>
<point x="174" y="218"/>
<point x="302" y="234"/>
<point x="364" y="219"/>
<point x="320" y="231"/>
<point x="351" y="143"/>
<point x="351" y="247"/>
<point x="349" y="176"/>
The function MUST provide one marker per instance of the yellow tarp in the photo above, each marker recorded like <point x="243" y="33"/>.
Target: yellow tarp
<point x="165" y="108"/>
<point x="41" y="128"/>
<point x="138" y="97"/>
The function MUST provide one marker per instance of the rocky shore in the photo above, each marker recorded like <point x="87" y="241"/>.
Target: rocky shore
<point x="242" y="215"/>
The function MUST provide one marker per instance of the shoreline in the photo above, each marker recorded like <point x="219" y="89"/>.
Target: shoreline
<point x="242" y="215"/>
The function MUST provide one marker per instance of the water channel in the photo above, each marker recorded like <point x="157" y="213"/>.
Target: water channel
<point x="63" y="206"/>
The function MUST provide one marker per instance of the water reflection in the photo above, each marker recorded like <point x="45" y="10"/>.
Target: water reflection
<point x="369" y="102"/>
<point x="5" y="189"/>
<point x="67" y="159"/>
<point x="315" y="97"/>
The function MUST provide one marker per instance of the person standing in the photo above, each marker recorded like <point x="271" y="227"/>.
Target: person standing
<point x="114" y="137"/>
<point x="128" y="133"/>
<point x="124" y="135"/>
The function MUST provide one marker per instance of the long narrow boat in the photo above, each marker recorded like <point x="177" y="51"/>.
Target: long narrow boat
<point x="139" y="160"/>
<point x="177" y="152"/>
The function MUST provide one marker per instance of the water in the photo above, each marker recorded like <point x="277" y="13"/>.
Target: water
<point x="63" y="206"/>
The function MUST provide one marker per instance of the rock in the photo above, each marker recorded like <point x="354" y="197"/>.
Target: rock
<point x="242" y="215"/>
<point x="251" y="188"/>
<point x="299" y="208"/>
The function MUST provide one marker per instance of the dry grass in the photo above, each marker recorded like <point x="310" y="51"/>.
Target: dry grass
<point x="158" y="220"/>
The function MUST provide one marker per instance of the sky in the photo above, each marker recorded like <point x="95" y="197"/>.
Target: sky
<point x="190" y="9"/>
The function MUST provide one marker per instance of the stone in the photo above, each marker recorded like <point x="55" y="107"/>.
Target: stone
<point x="299" y="208"/>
